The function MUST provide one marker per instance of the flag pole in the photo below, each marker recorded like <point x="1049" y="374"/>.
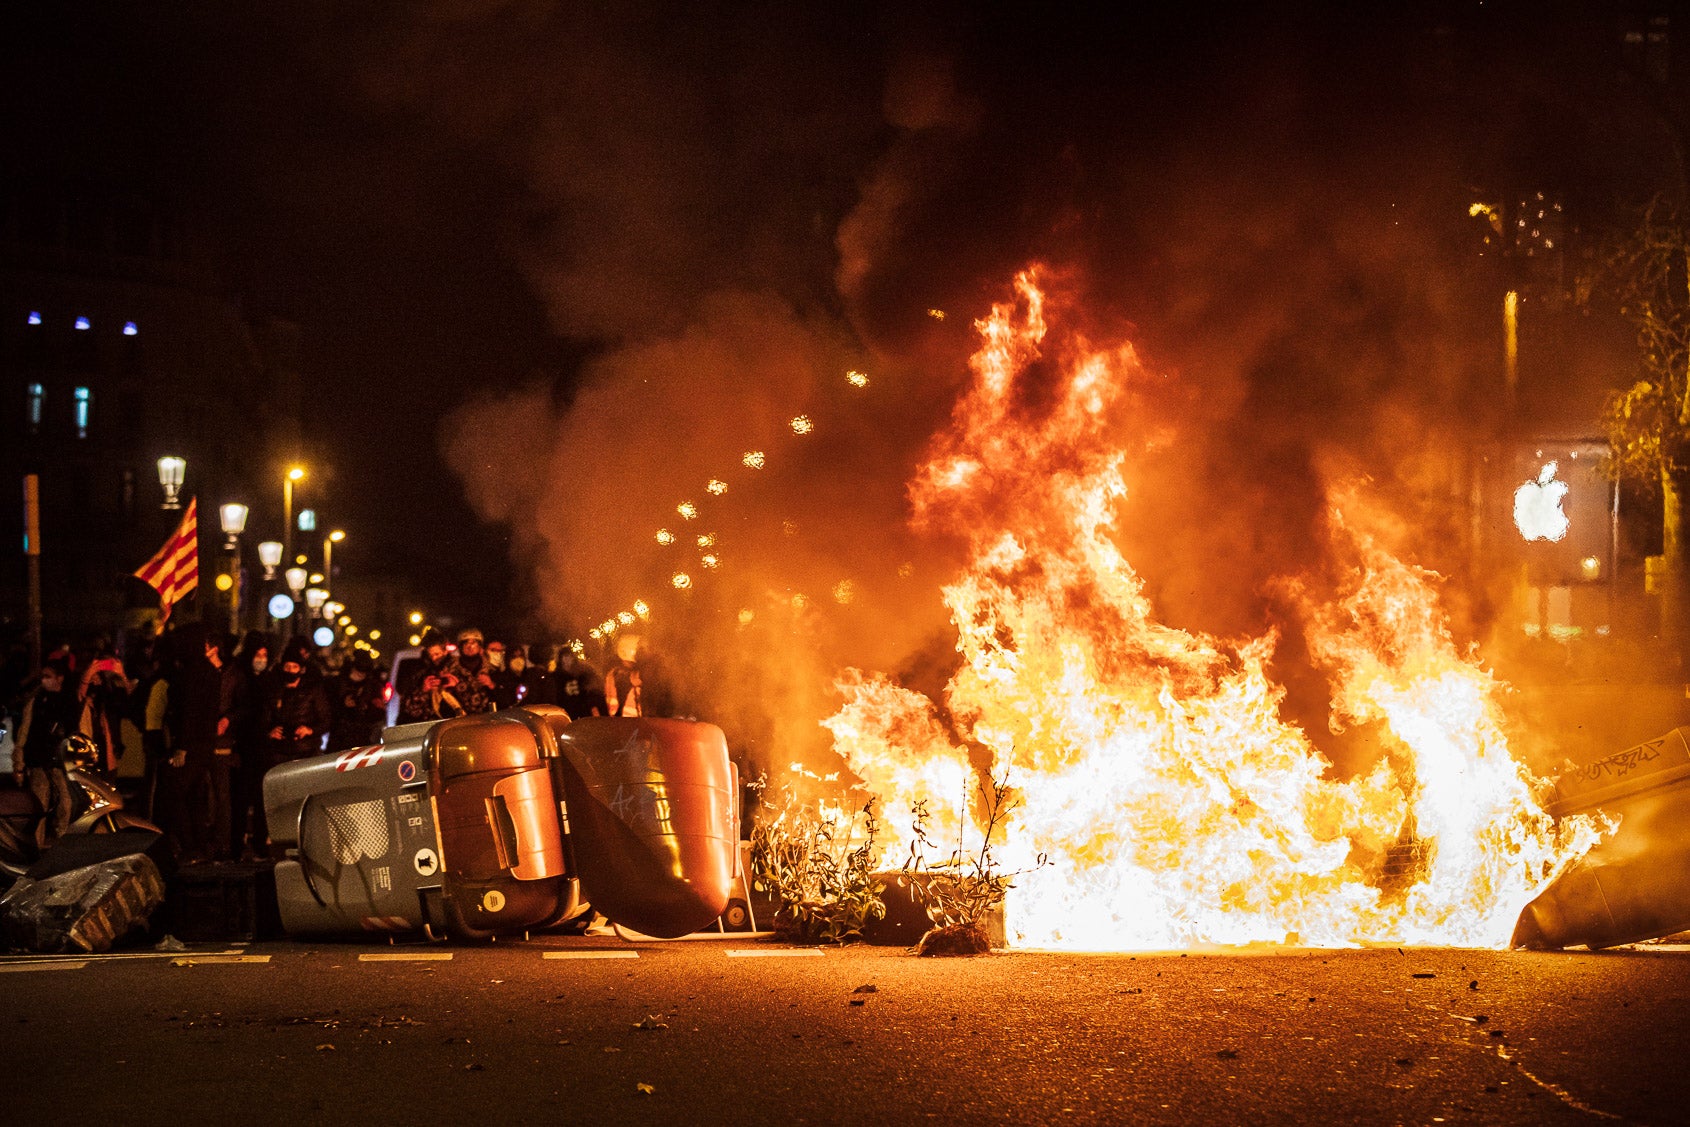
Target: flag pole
<point x="32" y="554"/>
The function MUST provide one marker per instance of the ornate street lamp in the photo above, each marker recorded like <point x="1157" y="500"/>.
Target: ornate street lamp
<point x="270" y="555"/>
<point x="171" y="471"/>
<point x="295" y="577"/>
<point x="233" y="518"/>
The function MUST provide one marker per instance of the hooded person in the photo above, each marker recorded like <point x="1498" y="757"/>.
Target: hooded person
<point x="355" y="699"/>
<point x="252" y="670"/>
<point x="197" y="722"/>
<point x="296" y="712"/>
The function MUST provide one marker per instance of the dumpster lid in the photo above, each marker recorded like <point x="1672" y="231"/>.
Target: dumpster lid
<point x="1653" y="763"/>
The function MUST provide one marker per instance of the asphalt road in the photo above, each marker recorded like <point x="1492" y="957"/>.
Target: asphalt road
<point x="741" y="1031"/>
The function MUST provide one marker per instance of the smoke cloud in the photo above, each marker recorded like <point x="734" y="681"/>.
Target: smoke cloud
<point x="730" y="210"/>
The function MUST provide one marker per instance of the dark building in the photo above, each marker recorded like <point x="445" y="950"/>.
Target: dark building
<point x="118" y="347"/>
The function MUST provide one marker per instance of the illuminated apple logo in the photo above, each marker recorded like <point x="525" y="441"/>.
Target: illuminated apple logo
<point x="1537" y="507"/>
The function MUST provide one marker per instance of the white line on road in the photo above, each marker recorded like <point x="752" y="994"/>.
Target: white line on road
<point x="589" y="954"/>
<point x="113" y="957"/>
<point x="406" y="957"/>
<point x="45" y="964"/>
<point x="783" y="953"/>
<point x="217" y="960"/>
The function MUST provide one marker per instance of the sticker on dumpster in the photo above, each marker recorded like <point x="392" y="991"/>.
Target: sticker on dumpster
<point x="426" y="862"/>
<point x="493" y="900"/>
<point x="358" y="757"/>
<point x="407" y="770"/>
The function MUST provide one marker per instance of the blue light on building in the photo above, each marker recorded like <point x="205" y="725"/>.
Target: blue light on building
<point x="129" y="329"/>
<point x="82" y="323"/>
<point x="34" y="317"/>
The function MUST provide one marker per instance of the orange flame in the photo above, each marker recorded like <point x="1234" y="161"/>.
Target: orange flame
<point x="1152" y="765"/>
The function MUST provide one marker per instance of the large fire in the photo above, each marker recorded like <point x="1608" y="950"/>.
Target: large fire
<point x="1152" y="766"/>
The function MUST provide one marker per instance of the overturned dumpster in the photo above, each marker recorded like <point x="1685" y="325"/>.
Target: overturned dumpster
<point x="1635" y="885"/>
<point x="508" y="822"/>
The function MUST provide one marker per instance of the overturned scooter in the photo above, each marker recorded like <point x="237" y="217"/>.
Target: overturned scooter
<point x="508" y="822"/>
<point x="96" y="807"/>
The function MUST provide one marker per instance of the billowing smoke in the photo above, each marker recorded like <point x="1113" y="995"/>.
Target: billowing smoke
<point x="730" y="211"/>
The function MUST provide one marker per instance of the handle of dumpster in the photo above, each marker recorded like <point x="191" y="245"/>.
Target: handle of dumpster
<point x="304" y="861"/>
<point x="504" y="831"/>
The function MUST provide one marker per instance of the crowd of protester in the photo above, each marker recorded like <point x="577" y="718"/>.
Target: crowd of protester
<point x="214" y="713"/>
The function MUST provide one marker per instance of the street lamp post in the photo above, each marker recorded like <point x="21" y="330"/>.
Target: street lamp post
<point x="171" y="471"/>
<point x="334" y="538"/>
<point x="270" y="555"/>
<point x="293" y="475"/>
<point x="233" y="517"/>
<point x="296" y="577"/>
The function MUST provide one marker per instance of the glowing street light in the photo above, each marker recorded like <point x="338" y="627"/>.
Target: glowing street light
<point x="295" y="577"/>
<point x="295" y="473"/>
<point x="233" y="518"/>
<point x="171" y="471"/>
<point x="334" y="538"/>
<point x="270" y="555"/>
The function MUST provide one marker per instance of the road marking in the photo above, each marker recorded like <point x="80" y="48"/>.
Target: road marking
<point x="217" y="960"/>
<point x="784" y="953"/>
<point x="589" y="954"/>
<point x="44" y="964"/>
<point x="113" y="956"/>
<point x="406" y="957"/>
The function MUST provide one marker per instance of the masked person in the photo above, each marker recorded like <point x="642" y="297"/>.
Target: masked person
<point x="296" y="711"/>
<point x="295" y="716"/>
<point x="355" y="700"/>
<point x="49" y="715"/>
<point x="436" y="684"/>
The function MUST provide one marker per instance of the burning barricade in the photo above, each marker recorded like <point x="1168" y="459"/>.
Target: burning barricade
<point x="507" y="822"/>
<point x="1635" y="884"/>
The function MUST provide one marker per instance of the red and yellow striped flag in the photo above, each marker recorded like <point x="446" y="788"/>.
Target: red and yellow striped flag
<point x="175" y="570"/>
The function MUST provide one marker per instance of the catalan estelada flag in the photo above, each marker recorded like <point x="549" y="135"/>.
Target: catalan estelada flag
<point x="175" y="570"/>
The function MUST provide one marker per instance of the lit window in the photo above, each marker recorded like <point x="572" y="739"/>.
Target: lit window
<point x="37" y="398"/>
<point x="84" y="400"/>
<point x="129" y="329"/>
<point x="82" y="323"/>
<point x="34" y="318"/>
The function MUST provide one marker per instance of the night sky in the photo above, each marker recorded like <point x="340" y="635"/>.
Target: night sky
<point x="556" y="261"/>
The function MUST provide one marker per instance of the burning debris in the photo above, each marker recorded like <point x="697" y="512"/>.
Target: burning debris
<point x="1152" y="765"/>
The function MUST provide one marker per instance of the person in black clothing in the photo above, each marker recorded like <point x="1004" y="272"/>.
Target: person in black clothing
<point x="295" y="715"/>
<point x="434" y="685"/>
<point x="49" y="716"/>
<point x="246" y="717"/>
<point x="196" y="723"/>
<point x="357" y="705"/>
<point x="529" y="670"/>
<point x="296" y="710"/>
<point x="579" y="688"/>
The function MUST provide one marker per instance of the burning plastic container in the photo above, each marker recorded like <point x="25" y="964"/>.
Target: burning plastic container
<point x="652" y="813"/>
<point x="1635" y="885"/>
